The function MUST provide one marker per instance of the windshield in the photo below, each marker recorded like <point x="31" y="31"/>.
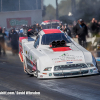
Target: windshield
<point x="48" y="26"/>
<point x="48" y="38"/>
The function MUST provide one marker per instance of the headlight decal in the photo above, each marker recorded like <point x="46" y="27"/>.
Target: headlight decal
<point x="48" y="69"/>
<point x="90" y="65"/>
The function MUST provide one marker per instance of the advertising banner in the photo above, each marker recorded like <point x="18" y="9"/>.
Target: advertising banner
<point x="17" y="22"/>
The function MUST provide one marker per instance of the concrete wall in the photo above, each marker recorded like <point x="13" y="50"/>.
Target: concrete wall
<point x="35" y="15"/>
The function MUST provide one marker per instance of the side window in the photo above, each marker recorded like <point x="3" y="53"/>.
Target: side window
<point x="37" y="42"/>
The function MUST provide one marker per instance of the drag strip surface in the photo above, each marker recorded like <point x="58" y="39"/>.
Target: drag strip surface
<point x="12" y="79"/>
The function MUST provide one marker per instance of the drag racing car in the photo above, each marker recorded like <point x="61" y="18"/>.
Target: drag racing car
<point x="50" y="24"/>
<point x="53" y="54"/>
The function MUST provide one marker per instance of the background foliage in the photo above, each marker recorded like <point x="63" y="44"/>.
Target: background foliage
<point x="86" y="9"/>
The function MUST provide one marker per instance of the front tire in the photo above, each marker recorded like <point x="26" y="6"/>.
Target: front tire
<point x="26" y="70"/>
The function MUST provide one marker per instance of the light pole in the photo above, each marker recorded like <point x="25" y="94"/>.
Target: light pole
<point x="73" y="6"/>
<point x="56" y="9"/>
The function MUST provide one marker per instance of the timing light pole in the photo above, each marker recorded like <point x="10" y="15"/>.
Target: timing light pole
<point x="56" y="9"/>
<point x="73" y="6"/>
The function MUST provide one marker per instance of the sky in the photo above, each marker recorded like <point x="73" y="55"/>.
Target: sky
<point x="52" y="2"/>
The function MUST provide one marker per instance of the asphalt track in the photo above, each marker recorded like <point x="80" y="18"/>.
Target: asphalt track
<point x="13" y="78"/>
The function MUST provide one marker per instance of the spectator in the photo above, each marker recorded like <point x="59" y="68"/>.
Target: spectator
<point x="30" y="31"/>
<point x="60" y="27"/>
<point x="73" y="35"/>
<point x="67" y="30"/>
<point x="17" y="30"/>
<point x="94" y="27"/>
<point x="23" y="31"/>
<point x="81" y="30"/>
<point x="74" y="23"/>
<point x="5" y="31"/>
<point x="99" y="27"/>
<point x="38" y="28"/>
<point x="13" y="36"/>
<point x="2" y="41"/>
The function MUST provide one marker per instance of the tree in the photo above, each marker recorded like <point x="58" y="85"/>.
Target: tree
<point x="56" y="9"/>
<point x="50" y="13"/>
<point x="64" y="7"/>
<point x="44" y="11"/>
<point x="87" y="9"/>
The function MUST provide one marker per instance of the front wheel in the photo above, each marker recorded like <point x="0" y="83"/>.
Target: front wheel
<point x="36" y="72"/>
<point x="25" y="65"/>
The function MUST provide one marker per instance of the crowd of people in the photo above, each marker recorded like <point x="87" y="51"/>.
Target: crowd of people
<point x="79" y="30"/>
<point x="94" y="27"/>
<point x="13" y="36"/>
<point x="65" y="29"/>
<point x="2" y="40"/>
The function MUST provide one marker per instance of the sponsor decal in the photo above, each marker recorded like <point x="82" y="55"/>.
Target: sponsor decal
<point x="34" y="61"/>
<point x="69" y="55"/>
<point x="64" y="54"/>
<point x="69" y="62"/>
<point x="28" y="55"/>
<point x="91" y="70"/>
<point x="55" y="58"/>
<point x="67" y="58"/>
<point x="24" y="49"/>
<point x="50" y="74"/>
<point x="31" y="57"/>
<point x="41" y="75"/>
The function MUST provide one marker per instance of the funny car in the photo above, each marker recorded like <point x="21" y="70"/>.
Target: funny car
<point x="50" y="24"/>
<point x="53" y="54"/>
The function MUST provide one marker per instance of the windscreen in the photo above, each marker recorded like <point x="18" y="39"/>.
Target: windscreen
<point x="48" y="38"/>
<point x="49" y="26"/>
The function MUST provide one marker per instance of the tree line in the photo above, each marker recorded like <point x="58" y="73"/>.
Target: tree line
<point x="86" y="9"/>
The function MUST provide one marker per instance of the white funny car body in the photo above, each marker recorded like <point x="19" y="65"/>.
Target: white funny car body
<point x="52" y="54"/>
